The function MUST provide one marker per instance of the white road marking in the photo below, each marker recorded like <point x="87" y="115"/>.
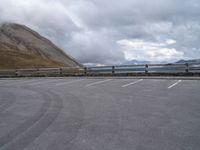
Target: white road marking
<point x="171" y="86"/>
<point x="63" y="83"/>
<point x="132" y="83"/>
<point x="20" y="82"/>
<point x="94" y="83"/>
<point x="44" y="82"/>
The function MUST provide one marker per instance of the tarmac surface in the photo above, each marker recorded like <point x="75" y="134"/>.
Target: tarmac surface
<point x="99" y="114"/>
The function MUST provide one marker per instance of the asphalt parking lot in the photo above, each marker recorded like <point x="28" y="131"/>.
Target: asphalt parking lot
<point x="99" y="114"/>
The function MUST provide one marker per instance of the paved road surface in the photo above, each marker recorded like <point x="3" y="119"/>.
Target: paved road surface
<point x="99" y="114"/>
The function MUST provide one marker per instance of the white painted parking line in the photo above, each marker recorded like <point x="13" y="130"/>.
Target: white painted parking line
<point x="20" y="82"/>
<point x="99" y="82"/>
<point x="63" y="83"/>
<point x="171" y="86"/>
<point x="3" y="81"/>
<point x="132" y="83"/>
<point x="44" y="82"/>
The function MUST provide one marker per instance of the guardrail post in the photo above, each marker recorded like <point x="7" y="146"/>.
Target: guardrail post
<point x="16" y="73"/>
<point x="85" y="71"/>
<point x="187" y="67"/>
<point x="61" y="71"/>
<point x="38" y="71"/>
<point x="113" y="69"/>
<point x="146" y="68"/>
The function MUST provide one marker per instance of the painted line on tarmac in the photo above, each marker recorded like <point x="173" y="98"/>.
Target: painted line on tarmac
<point x="4" y="82"/>
<point x="63" y="83"/>
<point x="44" y="82"/>
<point x="20" y="82"/>
<point x="99" y="82"/>
<point x="8" y="81"/>
<point x="132" y="83"/>
<point x="171" y="86"/>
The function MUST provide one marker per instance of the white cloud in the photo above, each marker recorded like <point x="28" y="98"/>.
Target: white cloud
<point x="151" y="51"/>
<point x="170" y="41"/>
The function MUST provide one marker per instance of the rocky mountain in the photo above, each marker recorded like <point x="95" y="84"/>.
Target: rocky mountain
<point x="21" y="47"/>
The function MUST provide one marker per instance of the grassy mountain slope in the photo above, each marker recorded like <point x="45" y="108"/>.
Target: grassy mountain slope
<point x="21" y="47"/>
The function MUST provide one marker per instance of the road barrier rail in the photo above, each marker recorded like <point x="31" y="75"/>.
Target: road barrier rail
<point x="42" y="72"/>
<point x="118" y="70"/>
<point x="147" y="69"/>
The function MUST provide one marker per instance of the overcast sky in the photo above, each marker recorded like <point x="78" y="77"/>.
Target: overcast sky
<point x="113" y="31"/>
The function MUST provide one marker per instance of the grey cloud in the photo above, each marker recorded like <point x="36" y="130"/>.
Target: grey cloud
<point x="96" y="47"/>
<point x="89" y="29"/>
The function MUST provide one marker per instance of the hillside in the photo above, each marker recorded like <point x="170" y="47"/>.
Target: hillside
<point x="21" y="47"/>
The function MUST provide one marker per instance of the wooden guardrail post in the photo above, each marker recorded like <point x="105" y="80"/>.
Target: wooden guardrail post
<point x="187" y="67"/>
<point x="146" y="68"/>
<point x="113" y="69"/>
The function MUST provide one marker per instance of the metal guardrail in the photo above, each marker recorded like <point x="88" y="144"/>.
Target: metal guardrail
<point x="118" y="70"/>
<point x="42" y="72"/>
<point x="146" y="69"/>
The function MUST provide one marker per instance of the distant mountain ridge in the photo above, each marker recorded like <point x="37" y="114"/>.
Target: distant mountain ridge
<point x="191" y="61"/>
<point x="21" y="47"/>
<point x="136" y="62"/>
